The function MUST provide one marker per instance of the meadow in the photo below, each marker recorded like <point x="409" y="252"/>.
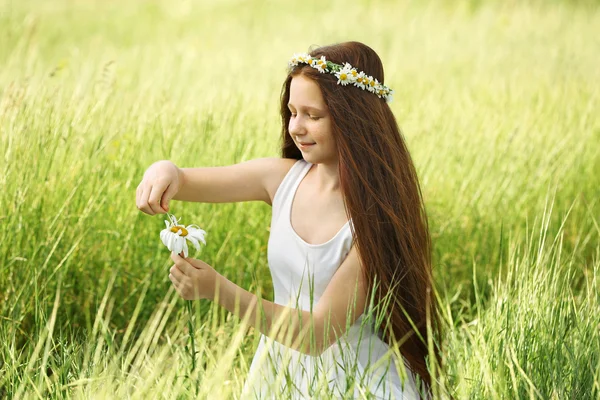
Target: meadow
<point x="498" y="102"/>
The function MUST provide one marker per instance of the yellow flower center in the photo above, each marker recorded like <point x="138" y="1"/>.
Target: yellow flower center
<point x="184" y="231"/>
<point x="372" y="83"/>
<point x="354" y="73"/>
<point x="359" y="79"/>
<point x="343" y="77"/>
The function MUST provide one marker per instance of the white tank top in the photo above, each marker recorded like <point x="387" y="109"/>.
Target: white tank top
<point x="300" y="270"/>
<point x="292" y="260"/>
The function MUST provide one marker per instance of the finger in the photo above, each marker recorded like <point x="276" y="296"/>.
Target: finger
<point x="177" y="285"/>
<point x="154" y="199"/>
<point x="176" y="272"/>
<point x="197" y="264"/>
<point x="181" y="263"/>
<point x="138" y="193"/>
<point x="139" y="198"/>
<point x="174" y="280"/>
<point x="144" y="201"/>
<point x="167" y="196"/>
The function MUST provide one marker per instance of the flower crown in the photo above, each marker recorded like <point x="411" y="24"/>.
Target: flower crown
<point x="345" y="73"/>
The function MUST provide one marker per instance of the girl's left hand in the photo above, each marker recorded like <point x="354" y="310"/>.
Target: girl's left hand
<point x="193" y="279"/>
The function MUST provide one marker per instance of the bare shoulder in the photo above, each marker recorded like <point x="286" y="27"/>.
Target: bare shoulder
<point x="277" y="170"/>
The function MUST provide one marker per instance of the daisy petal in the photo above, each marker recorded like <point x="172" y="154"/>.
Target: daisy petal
<point x="171" y="240"/>
<point x="178" y="245"/>
<point x="194" y="241"/>
<point x="185" y="249"/>
<point x="174" y="242"/>
<point x="198" y="234"/>
<point x="163" y="236"/>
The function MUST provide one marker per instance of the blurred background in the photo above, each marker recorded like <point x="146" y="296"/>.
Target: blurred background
<point x="497" y="100"/>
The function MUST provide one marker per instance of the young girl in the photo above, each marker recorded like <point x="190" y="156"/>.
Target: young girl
<point x="349" y="248"/>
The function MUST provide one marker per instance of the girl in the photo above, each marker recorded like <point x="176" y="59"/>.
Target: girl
<point x="349" y="248"/>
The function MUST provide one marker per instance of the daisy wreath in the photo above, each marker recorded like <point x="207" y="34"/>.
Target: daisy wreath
<point x="345" y="73"/>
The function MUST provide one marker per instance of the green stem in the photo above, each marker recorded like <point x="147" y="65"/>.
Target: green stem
<point x="192" y="347"/>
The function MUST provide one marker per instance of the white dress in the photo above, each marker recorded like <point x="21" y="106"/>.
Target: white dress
<point x="297" y="269"/>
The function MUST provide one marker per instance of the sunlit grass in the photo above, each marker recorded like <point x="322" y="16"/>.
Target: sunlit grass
<point x="499" y="106"/>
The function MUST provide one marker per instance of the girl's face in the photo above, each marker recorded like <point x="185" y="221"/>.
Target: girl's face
<point x="310" y="121"/>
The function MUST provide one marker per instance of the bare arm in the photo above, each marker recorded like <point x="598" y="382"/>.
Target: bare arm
<point x="247" y="181"/>
<point x="291" y="326"/>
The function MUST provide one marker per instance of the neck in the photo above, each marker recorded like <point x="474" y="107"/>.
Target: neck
<point x="327" y="178"/>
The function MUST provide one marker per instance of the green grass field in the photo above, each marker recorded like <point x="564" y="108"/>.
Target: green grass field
<point x="499" y="103"/>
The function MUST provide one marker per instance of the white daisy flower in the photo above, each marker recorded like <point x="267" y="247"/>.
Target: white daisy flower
<point x="371" y="84"/>
<point x="389" y="97"/>
<point x="299" y="58"/>
<point x="304" y="58"/>
<point x="319" y="64"/>
<point x="353" y="75"/>
<point x="293" y="61"/>
<point x="368" y="79"/>
<point x="175" y="235"/>
<point x="380" y="90"/>
<point x="343" y="75"/>
<point x="360" y="80"/>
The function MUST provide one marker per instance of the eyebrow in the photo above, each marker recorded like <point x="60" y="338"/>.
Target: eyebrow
<point x="308" y="108"/>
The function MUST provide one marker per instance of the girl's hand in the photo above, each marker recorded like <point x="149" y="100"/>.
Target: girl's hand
<point x="161" y="182"/>
<point x="193" y="279"/>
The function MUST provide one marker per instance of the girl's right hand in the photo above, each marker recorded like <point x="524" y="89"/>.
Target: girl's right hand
<point x="161" y="182"/>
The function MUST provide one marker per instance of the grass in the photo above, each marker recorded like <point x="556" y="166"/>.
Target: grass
<point x="497" y="101"/>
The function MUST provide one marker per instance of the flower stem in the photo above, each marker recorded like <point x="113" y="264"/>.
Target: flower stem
<point x="192" y="346"/>
<point x="191" y="330"/>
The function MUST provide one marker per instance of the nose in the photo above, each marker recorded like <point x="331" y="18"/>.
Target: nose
<point x="296" y="127"/>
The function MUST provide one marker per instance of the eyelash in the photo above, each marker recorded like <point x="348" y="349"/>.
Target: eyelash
<point x="293" y="115"/>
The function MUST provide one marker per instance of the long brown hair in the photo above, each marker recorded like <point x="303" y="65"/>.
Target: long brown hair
<point x="383" y="197"/>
